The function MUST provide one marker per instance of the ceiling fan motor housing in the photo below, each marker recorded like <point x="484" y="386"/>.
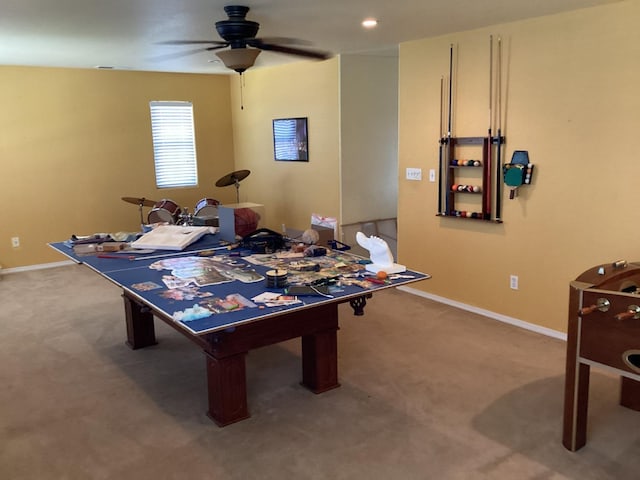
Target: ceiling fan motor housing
<point x="236" y="29"/>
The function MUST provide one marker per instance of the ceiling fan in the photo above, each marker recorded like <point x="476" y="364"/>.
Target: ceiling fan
<point x="240" y="34"/>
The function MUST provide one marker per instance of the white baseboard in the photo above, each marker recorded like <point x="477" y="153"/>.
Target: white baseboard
<point x="487" y="313"/>
<point x="41" y="266"/>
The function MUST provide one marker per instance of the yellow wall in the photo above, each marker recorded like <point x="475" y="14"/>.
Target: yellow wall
<point x="571" y="99"/>
<point x="73" y="142"/>
<point x="369" y="137"/>
<point x="290" y="191"/>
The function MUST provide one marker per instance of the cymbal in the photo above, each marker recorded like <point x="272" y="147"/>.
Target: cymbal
<point x="139" y="201"/>
<point x="232" y="178"/>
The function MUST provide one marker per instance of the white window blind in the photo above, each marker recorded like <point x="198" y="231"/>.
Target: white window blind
<point x="174" y="144"/>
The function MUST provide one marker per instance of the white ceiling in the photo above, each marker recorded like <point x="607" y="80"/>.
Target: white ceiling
<point x="125" y="33"/>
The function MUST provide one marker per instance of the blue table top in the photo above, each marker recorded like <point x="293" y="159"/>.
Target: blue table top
<point x="237" y="277"/>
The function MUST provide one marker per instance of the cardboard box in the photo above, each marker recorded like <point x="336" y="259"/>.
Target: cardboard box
<point x="239" y="219"/>
<point x="326" y="235"/>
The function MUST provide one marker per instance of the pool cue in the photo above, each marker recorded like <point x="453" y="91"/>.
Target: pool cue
<point x="487" y="172"/>
<point x="440" y="141"/>
<point x="499" y="143"/>
<point x="118" y="257"/>
<point x="449" y="119"/>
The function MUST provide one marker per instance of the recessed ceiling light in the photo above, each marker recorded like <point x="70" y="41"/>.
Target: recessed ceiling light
<point x="369" y="23"/>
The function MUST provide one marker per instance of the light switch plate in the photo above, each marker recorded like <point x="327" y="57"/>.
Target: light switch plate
<point x="414" y="174"/>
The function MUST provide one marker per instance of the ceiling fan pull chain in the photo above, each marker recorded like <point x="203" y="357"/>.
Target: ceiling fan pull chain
<point x="241" y="92"/>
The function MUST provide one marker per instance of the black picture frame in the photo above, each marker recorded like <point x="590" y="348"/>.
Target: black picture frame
<point x="290" y="139"/>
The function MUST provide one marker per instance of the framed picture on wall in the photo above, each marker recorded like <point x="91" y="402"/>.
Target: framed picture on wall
<point x="290" y="140"/>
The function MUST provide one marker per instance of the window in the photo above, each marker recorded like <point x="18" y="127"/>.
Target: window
<point x="174" y="144"/>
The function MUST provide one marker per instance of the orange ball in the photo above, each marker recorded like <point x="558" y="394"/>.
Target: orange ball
<point x="381" y="275"/>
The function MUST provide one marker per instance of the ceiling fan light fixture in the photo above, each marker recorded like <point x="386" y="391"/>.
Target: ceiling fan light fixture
<point x="239" y="59"/>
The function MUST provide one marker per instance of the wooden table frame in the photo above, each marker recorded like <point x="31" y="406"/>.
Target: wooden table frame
<point x="226" y="345"/>
<point x="225" y="350"/>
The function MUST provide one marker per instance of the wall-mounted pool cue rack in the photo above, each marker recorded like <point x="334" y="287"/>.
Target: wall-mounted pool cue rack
<point x="470" y="183"/>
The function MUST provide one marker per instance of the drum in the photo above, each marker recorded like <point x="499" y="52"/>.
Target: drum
<point x="206" y="213"/>
<point x="164" y="211"/>
<point x="207" y="207"/>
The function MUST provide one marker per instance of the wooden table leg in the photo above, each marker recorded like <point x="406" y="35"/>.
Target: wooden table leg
<point x="227" y="386"/>
<point x="630" y="393"/>
<point x="576" y="405"/>
<point x="576" y="389"/>
<point x="320" y="361"/>
<point x="140" y="328"/>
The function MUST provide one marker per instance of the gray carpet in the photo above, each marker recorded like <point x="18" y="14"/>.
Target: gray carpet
<point x="428" y="392"/>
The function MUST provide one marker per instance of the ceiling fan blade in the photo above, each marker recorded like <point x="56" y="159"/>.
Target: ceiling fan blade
<point x="218" y="47"/>
<point x="284" y="41"/>
<point x="257" y="43"/>
<point x="171" y="56"/>
<point x="192" y="42"/>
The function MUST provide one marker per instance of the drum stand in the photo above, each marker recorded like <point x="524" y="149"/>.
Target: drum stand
<point x="185" y="218"/>
<point x="141" y="218"/>
<point x="237" y="184"/>
<point x="141" y="202"/>
<point x="233" y="178"/>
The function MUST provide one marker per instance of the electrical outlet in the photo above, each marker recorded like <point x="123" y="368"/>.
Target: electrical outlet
<point x="414" y="174"/>
<point x="513" y="282"/>
<point x="15" y="242"/>
<point x="432" y="175"/>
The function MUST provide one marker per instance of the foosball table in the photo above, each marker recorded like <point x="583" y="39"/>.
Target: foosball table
<point x="603" y="332"/>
